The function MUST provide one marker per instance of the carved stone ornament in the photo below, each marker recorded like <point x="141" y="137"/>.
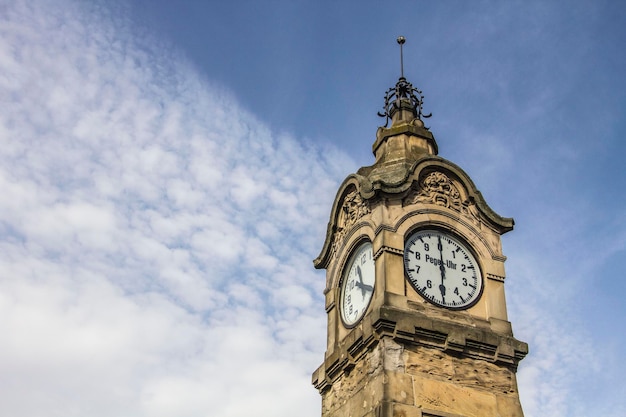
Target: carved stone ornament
<point x="354" y="207"/>
<point x="436" y="188"/>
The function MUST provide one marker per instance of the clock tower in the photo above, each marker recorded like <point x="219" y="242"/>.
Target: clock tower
<point x="417" y="319"/>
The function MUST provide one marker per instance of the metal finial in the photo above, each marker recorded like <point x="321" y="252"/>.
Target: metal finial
<point x="403" y="94"/>
<point x="401" y="40"/>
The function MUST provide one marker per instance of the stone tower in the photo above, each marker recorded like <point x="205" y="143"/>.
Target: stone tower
<point x="417" y="318"/>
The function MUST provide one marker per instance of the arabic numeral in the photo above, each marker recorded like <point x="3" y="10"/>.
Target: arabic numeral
<point x="429" y="283"/>
<point x="426" y="247"/>
<point x="417" y="256"/>
<point x="465" y="282"/>
<point x="463" y="268"/>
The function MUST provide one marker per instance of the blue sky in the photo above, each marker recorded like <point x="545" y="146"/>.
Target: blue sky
<point x="167" y="171"/>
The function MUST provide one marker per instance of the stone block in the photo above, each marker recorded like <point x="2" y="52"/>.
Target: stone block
<point x="451" y="398"/>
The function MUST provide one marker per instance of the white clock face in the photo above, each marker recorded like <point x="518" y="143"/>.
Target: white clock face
<point x="357" y="286"/>
<point x="442" y="269"/>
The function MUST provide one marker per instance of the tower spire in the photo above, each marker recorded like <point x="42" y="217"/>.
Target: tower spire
<point x="403" y="98"/>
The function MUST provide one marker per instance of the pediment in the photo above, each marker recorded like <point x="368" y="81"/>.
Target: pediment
<point x="437" y="182"/>
<point x="431" y="183"/>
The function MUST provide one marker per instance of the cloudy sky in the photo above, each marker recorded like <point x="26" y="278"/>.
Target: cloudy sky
<point x="167" y="170"/>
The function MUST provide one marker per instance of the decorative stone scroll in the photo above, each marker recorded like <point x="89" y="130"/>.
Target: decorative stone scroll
<point x="353" y="208"/>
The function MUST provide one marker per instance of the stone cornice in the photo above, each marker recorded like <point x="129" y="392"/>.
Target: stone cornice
<point x="414" y="328"/>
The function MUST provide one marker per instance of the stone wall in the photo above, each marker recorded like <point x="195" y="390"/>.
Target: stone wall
<point x="394" y="380"/>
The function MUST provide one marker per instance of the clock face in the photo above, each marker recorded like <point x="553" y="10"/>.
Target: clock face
<point x="442" y="269"/>
<point x="357" y="285"/>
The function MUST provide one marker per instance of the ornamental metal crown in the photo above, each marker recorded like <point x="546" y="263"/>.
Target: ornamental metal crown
<point x="403" y="94"/>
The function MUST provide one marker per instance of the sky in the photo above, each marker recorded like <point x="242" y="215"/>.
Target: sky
<point x="167" y="171"/>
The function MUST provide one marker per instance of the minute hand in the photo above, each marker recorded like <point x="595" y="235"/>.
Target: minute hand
<point x="442" y="287"/>
<point x="360" y="284"/>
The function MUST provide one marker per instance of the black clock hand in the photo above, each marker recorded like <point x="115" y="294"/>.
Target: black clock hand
<point x="442" y="287"/>
<point x="364" y="287"/>
<point x="358" y="271"/>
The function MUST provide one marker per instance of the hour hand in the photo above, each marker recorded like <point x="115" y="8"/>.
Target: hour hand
<point x="364" y="287"/>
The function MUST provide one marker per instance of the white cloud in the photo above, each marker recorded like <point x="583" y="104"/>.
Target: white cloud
<point x="143" y="242"/>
